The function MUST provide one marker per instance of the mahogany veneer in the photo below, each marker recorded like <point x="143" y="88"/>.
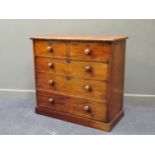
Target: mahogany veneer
<point x="80" y="79"/>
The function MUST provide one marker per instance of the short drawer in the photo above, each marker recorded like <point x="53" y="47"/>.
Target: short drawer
<point x="50" y="49"/>
<point x="91" y="89"/>
<point x="94" y="70"/>
<point x="90" y="51"/>
<point x="80" y="107"/>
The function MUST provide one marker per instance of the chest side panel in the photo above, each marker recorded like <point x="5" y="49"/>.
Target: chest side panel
<point x="116" y="80"/>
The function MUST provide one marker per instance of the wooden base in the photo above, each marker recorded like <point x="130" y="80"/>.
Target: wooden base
<point x="80" y="120"/>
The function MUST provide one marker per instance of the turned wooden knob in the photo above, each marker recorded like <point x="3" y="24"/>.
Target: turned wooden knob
<point x="51" y="82"/>
<point x="51" y="100"/>
<point x="50" y="64"/>
<point x="87" y="51"/>
<point x="88" y="87"/>
<point x="88" y="68"/>
<point x="87" y="108"/>
<point x="49" y="49"/>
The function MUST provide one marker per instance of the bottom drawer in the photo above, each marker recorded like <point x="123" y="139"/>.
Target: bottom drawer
<point x="85" y="108"/>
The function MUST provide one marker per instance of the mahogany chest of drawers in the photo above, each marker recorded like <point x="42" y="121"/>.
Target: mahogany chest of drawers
<point x="80" y="78"/>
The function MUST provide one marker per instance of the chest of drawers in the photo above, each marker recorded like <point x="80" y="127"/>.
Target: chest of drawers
<point x="80" y="78"/>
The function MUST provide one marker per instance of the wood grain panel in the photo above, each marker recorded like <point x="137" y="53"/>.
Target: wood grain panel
<point x="97" y="51"/>
<point x="72" y="105"/>
<point x="72" y="86"/>
<point x="74" y="68"/>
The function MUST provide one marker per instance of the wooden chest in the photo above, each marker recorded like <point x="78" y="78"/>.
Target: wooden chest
<point x="80" y="78"/>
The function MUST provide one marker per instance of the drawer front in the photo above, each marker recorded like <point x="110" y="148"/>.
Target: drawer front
<point x="90" y="51"/>
<point x="90" y="89"/>
<point x="82" y="69"/>
<point x="50" y="49"/>
<point x="94" y="110"/>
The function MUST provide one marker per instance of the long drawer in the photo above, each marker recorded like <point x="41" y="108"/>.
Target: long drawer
<point x="81" y="107"/>
<point x="91" y="89"/>
<point x="94" y="70"/>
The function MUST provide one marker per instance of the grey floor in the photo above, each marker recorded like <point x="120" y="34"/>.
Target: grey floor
<point x="17" y="117"/>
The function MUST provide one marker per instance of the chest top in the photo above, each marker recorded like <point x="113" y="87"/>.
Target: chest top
<point x="82" y="38"/>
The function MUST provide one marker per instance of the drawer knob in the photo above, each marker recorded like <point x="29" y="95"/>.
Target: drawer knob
<point x="51" y="82"/>
<point x="51" y="100"/>
<point x="87" y="108"/>
<point x="88" y="87"/>
<point x="49" y="49"/>
<point x="87" y="51"/>
<point x="88" y="68"/>
<point x="50" y="64"/>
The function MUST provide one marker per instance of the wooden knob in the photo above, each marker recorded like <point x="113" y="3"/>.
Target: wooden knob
<point x="87" y="51"/>
<point x="50" y="64"/>
<point x="87" y="108"/>
<point x="49" y="49"/>
<point x="88" y="68"/>
<point x="88" y="87"/>
<point x="51" y="82"/>
<point x="51" y="100"/>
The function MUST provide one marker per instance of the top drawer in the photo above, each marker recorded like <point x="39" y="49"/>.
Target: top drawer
<point x="90" y="51"/>
<point x="50" y="49"/>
